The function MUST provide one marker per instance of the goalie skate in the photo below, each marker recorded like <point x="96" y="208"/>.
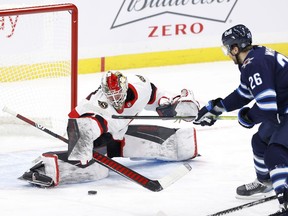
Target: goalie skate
<point x="255" y="190"/>
<point x="37" y="179"/>
<point x="34" y="177"/>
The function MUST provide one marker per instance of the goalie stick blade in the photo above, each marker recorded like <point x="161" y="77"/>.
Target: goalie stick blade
<point x="247" y="205"/>
<point x="163" y="183"/>
<point x="175" y="176"/>
<point x="152" y="185"/>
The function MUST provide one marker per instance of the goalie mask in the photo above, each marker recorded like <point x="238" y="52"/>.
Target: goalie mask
<point x="114" y="86"/>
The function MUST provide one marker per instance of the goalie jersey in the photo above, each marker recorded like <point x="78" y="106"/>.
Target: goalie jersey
<point x="141" y="94"/>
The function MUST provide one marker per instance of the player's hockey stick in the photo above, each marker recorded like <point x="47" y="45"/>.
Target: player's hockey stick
<point x="105" y="113"/>
<point x="247" y="205"/>
<point x="168" y="117"/>
<point x="153" y="185"/>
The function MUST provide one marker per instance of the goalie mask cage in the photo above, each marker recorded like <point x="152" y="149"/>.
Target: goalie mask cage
<point x="38" y="63"/>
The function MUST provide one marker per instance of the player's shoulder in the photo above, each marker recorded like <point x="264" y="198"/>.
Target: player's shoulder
<point x="260" y="53"/>
<point x="255" y="58"/>
<point x="136" y="78"/>
<point x="139" y="82"/>
<point x="139" y="87"/>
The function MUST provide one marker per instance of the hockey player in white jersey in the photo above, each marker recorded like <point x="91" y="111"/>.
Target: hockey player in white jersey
<point x="92" y="128"/>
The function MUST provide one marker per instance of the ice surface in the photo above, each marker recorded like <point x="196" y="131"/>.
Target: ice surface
<point x="225" y="162"/>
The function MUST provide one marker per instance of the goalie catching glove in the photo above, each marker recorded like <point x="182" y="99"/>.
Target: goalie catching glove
<point x="207" y="115"/>
<point x="180" y="105"/>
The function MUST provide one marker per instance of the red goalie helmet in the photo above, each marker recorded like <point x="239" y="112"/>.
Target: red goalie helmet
<point x="114" y="85"/>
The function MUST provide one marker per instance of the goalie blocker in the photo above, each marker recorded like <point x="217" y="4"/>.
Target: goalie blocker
<point x="140" y="141"/>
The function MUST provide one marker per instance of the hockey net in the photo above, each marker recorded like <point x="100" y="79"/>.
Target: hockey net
<point x="38" y="63"/>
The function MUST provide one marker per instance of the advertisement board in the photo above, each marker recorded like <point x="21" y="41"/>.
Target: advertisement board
<point x="116" y="34"/>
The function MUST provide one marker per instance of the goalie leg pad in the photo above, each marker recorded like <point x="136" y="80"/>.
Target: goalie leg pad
<point x="175" y="145"/>
<point x="50" y="171"/>
<point x="186" y="141"/>
<point x="73" y="174"/>
<point x="50" y="162"/>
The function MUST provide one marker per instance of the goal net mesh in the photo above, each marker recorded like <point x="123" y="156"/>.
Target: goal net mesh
<point x="35" y="67"/>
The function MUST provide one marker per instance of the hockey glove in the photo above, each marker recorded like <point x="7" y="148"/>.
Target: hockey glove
<point x="186" y="105"/>
<point x="243" y="118"/>
<point x="180" y="105"/>
<point x="208" y="114"/>
<point x="166" y="108"/>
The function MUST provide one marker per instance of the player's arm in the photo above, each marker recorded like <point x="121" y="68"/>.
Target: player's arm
<point x="261" y="85"/>
<point x="208" y="114"/>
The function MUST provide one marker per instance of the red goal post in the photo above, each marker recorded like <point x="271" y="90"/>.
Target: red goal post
<point x="18" y="23"/>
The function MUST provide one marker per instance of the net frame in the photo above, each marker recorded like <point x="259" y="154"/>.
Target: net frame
<point x="74" y="35"/>
<point x="58" y="124"/>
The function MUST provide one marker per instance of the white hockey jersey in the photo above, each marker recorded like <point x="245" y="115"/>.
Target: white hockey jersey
<point x="142" y="94"/>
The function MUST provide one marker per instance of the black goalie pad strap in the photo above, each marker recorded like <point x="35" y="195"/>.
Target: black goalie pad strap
<point x="154" y="133"/>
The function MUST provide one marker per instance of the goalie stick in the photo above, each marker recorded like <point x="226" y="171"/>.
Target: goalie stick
<point x="247" y="205"/>
<point x="152" y="185"/>
<point x="169" y="117"/>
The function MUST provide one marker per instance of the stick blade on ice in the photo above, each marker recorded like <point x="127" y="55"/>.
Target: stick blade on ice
<point x="175" y="175"/>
